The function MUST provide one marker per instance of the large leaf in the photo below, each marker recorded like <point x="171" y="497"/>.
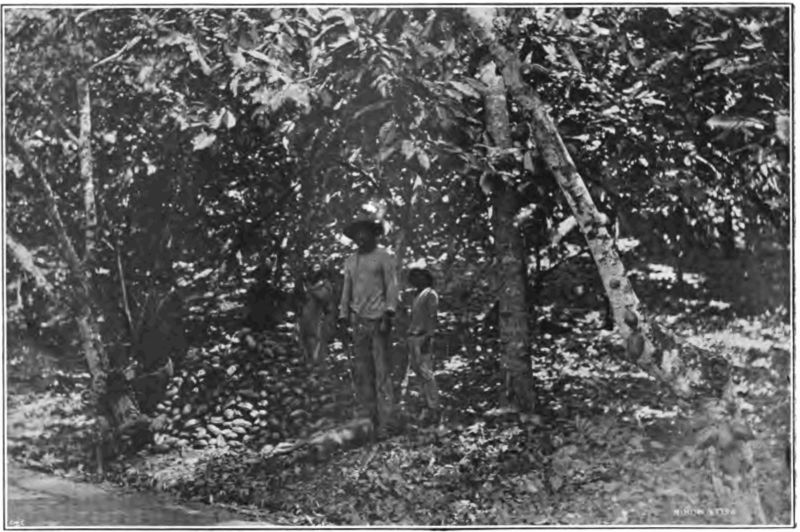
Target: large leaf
<point x="716" y="63"/>
<point x="387" y="133"/>
<point x="647" y="98"/>
<point x="263" y="57"/>
<point x="314" y="14"/>
<point x="387" y="152"/>
<point x="735" y="123"/>
<point x="783" y="127"/>
<point x="196" y="55"/>
<point x="228" y="119"/>
<point x="216" y="119"/>
<point x="477" y="84"/>
<point x="407" y="148"/>
<point x="203" y="140"/>
<point x="465" y="89"/>
<point x="371" y="107"/>
<point x="423" y="159"/>
<point x="527" y="162"/>
<point x="237" y="59"/>
<point x="342" y="14"/>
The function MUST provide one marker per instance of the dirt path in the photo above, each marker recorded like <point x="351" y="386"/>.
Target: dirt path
<point x="40" y="500"/>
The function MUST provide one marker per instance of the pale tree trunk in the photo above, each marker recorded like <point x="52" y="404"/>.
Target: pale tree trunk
<point x="120" y="405"/>
<point x="122" y="410"/>
<point x="513" y="311"/>
<point x="690" y="371"/>
<point x="87" y="171"/>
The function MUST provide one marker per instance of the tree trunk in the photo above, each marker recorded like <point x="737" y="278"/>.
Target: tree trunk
<point x="87" y="171"/>
<point x="729" y="233"/>
<point x="115" y="401"/>
<point x="402" y="319"/>
<point x="115" y="404"/>
<point x="690" y="371"/>
<point x="677" y="226"/>
<point x="404" y="233"/>
<point x="513" y="310"/>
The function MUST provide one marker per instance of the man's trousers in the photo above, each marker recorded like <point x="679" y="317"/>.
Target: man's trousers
<point x="372" y="371"/>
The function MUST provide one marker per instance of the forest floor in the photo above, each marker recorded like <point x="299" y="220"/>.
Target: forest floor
<point x="609" y="446"/>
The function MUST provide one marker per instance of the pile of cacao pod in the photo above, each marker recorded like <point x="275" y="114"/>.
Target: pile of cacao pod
<point x="259" y="391"/>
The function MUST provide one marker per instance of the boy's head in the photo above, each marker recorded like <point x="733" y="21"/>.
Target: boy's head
<point x="364" y="233"/>
<point x="419" y="276"/>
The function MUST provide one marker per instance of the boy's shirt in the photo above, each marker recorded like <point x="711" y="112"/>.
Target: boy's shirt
<point x="370" y="285"/>
<point x="424" y="313"/>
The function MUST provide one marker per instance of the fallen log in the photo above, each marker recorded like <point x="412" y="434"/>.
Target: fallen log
<point x="324" y="443"/>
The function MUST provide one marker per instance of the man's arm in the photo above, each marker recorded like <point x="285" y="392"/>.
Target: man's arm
<point x="344" y="303"/>
<point x="431" y="310"/>
<point x="390" y="282"/>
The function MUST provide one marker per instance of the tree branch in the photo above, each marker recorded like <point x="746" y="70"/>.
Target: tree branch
<point x="26" y="259"/>
<point x="561" y="261"/>
<point x="710" y="166"/>
<point x="563" y="229"/>
<point x="68" y="250"/>
<point x="126" y="309"/>
<point x="130" y="44"/>
<point x="125" y="305"/>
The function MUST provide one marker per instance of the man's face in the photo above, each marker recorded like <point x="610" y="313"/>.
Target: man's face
<point x="364" y="239"/>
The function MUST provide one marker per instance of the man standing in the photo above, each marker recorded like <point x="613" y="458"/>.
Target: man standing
<point x="369" y="300"/>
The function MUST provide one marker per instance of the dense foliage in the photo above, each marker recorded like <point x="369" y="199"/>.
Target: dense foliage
<point x="204" y="162"/>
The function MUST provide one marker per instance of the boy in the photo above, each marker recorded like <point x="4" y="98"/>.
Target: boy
<point x="313" y="323"/>
<point x="369" y="301"/>
<point x="424" y="320"/>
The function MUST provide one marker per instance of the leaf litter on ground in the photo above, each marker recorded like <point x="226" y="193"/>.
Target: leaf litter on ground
<point x="604" y="440"/>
